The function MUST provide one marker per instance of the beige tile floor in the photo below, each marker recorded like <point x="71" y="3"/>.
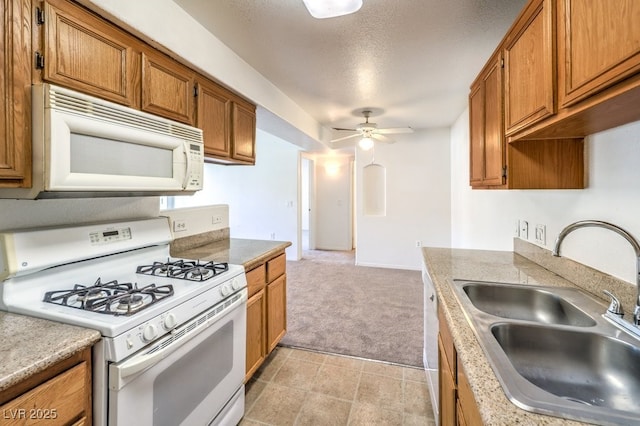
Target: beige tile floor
<point x="298" y="387"/>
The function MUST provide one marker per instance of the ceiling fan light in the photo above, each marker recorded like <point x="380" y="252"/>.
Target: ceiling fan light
<point x="365" y="143"/>
<point x="321" y="9"/>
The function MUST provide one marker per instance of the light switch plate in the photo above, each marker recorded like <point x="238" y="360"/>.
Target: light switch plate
<point x="541" y="234"/>
<point x="524" y="230"/>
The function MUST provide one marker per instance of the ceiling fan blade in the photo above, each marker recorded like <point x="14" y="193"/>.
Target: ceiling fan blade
<point x="345" y="130"/>
<point x="392" y="130"/>
<point x="345" y="138"/>
<point x="383" y="138"/>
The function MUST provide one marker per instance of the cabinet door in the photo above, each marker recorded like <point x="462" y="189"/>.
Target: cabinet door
<point x="487" y="143"/>
<point x="598" y="45"/>
<point x="476" y="134"/>
<point x="214" y="118"/>
<point x="276" y="311"/>
<point x="494" y="143"/>
<point x="167" y="87"/>
<point x="529" y="68"/>
<point x="467" y="405"/>
<point x="83" y="52"/>
<point x="244" y="132"/>
<point x="15" y="90"/>
<point x="447" y="386"/>
<point x="256" y="332"/>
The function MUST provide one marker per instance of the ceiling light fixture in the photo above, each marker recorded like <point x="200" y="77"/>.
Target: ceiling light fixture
<point x="322" y="9"/>
<point x="366" y="143"/>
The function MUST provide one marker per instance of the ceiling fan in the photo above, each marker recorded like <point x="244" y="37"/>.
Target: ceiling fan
<point x="367" y="132"/>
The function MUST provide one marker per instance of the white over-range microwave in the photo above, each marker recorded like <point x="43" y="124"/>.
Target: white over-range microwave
<point x="88" y="147"/>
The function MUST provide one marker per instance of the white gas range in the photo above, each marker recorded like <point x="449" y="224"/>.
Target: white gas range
<point x="174" y="330"/>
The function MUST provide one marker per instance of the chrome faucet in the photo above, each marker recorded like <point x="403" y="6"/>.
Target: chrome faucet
<point x="626" y="236"/>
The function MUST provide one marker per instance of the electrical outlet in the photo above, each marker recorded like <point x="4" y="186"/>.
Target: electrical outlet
<point x="216" y="220"/>
<point x="273" y="235"/>
<point x="541" y="234"/>
<point x="179" y="225"/>
<point x="524" y="230"/>
<point x="418" y="243"/>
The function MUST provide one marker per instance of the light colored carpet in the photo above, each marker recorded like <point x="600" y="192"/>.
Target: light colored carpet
<point x="334" y="306"/>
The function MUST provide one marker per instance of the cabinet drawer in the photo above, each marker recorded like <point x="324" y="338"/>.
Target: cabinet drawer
<point x="256" y="280"/>
<point x="60" y="400"/>
<point x="276" y="267"/>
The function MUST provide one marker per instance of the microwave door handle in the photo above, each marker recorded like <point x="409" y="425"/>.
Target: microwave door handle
<point x="187" y="174"/>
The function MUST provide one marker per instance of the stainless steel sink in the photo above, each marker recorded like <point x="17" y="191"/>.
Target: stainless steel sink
<point x="587" y="368"/>
<point x="525" y="303"/>
<point x="554" y="352"/>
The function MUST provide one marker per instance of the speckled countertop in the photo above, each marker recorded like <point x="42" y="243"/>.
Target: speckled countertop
<point x="445" y="265"/>
<point x="31" y="345"/>
<point x="248" y="253"/>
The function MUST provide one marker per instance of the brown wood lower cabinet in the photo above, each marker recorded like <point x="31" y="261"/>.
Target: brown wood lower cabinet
<point x="266" y="310"/>
<point x="457" y="404"/>
<point x="256" y="332"/>
<point x="60" y="395"/>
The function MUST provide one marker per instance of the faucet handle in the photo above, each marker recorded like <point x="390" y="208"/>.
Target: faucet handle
<point x="615" y="307"/>
<point x="636" y="313"/>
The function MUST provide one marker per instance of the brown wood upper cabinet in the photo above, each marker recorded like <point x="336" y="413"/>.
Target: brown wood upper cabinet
<point x="487" y="162"/>
<point x="228" y="124"/>
<point x="598" y="69"/>
<point x="529" y="67"/>
<point x="243" y="132"/>
<point x="15" y="90"/>
<point x="167" y="87"/>
<point x="598" y="46"/>
<point x="82" y="51"/>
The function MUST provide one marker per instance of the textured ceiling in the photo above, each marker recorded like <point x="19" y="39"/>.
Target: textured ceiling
<point x="411" y="61"/>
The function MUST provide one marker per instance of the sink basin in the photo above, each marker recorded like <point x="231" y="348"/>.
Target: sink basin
<point x="585" y="368"/>
<point x="554" y="352"/>
<point x="525" y="303"/>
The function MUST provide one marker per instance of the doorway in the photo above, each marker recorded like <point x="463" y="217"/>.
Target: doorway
<point x="307" y="204"/>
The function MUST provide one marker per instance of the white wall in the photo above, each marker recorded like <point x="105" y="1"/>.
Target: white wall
<point x="418" y="200"/>
<point x="486" y="218"/>
<point x="262" y="199"/>
<point x="334" y="211"/>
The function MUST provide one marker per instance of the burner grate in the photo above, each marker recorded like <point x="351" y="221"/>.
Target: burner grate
<point x="112" y="297"/>
<point x="191" y="270"/>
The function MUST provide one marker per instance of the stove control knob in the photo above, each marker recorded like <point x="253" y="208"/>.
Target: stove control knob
<point x="236" y="284"/>
<point x="225" y="290"/>
<point x="169" y="322"/>
<point x="149" y="333"/>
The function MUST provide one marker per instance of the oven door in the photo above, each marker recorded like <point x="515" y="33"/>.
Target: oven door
<point x="188" y="377"/>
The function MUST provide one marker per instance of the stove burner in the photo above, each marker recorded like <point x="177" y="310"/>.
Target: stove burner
<point x="109" y="298"/>
<point x="191" y="270"/>
<point x="130" y="302"/>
